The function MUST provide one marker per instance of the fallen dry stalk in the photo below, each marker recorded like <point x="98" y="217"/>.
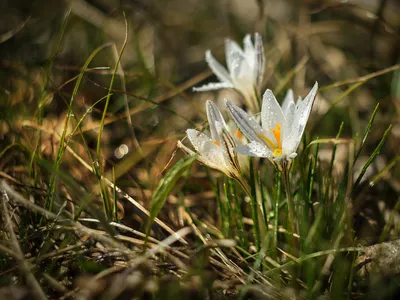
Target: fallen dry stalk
<point x="19" y="255"/>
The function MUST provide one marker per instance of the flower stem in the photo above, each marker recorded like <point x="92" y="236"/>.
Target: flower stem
<point x="252" y="193"/>
<point x="290" y="201"/>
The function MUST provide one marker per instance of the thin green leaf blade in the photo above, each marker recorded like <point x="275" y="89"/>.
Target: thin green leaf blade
<point x="167" y="184"/>
<point x="373" y="156"/>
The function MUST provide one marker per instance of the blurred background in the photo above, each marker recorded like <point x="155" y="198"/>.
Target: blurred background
<point x="44" y="44"/>
<point x="352" y="48"/>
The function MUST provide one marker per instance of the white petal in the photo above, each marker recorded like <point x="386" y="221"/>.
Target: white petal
<point x="214" y="117"/>
<point x="209" y="153"/>
<point x="217" y="68"/>
<point x="288" y="134"/>
<point x="259" y="60"/>
<point x="271" y="115"/>
<point x="200" y="158"/>
<point x="215" y="156"/>
<point x="198" y="139"/>
<point x="213" y="86"/>
<point x="232" y="53"/>
<point x="242" y="75"/>
<point x="289" y="99"/>
<point x="305" y="108"/>
<point x="250" y="128"/>
<point x="302" y="113"/>
<point x="254" y="149"/>
<point x="186" y="149"/>
<point x="271" y="112"/>
<point x="248" y="45"/>
<point x="289" y="110"/>
<point x="240" y="71"/>
<point x="307" y="104"/>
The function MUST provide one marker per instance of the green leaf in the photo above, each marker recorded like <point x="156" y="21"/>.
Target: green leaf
<point x="372" y="157"/>
<point x="367" y="131"/>
<point x="167" y="183"/>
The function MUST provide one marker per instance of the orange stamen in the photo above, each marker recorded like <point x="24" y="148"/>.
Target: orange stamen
<point x="238" y="134"/>
<point x="216" y="143"/>
<point x="277" y="134"/>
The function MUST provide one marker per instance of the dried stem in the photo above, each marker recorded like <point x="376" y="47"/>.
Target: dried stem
<point x="23" y="264"/>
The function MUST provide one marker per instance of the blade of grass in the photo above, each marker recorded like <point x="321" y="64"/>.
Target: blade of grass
<point x="23" y="264"/>
<point x="362" y="78"/>
<point x="43" y="98"/>
<point x="115" y="206"/>
<point x="330" y="170"/>
<point x="335" y="102"/>
<point x="372" y="157"/>
<point x="230" y="226"/>
<point x="254" y="205"/>
<point x="106" y="202"/>
<point x="366" y="133"/>
<point x="313" y="255"/>
<point x="61" y="148"/>
<point x="384" y="171"/>
<point x="239" y="216"/>
<point x="167" y="183"/>
<point x="299" y="66"/>
<point x="263" y="206"/>
<point x="277" y="197"/>
<point x="187" y="84"/>
<point x="222" y="210"/>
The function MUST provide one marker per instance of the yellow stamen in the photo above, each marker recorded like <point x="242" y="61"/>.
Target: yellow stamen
<point x="276" y="148"/>
<point x="277" y="134"/>
<point x="216" y="143"/>
<point x="277" y="152"/>
<point x="269" y="143"/>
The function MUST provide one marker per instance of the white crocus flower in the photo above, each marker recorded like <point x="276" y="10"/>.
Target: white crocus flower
<point x="281" y="128"/>
<point x="216" y="152"/>
<point x="245" y="69"/>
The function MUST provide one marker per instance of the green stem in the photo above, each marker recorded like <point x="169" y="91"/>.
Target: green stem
<point x="290" y="201"/>
<point x="254" y="204"/>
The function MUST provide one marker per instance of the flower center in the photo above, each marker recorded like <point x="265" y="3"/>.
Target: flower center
<point x="276" y="147"/>
<point x="216" y="143"/>
<point x="277" y="152"/>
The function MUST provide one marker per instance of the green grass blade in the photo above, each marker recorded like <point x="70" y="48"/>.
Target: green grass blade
<point x="277" y="197"/>
<point x="312" y="175"/>
<point x="367" y="131"/>
<point x="335" y="102"/>
<point x="334" y="150"/>
<point x="62" y="147"/>
<point x="230" y="226"/>
<point x="384" y="171"/>
<point x="47" y="68"/>
<point x="372" y="157"/>
<point x="263" y="201"/>
<point x="238" y="214"/>
<point x="166" y="184"/>
<point x="254" y="205"/>
<point x="314" y="255"/>
<point x="104" y="195"/>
